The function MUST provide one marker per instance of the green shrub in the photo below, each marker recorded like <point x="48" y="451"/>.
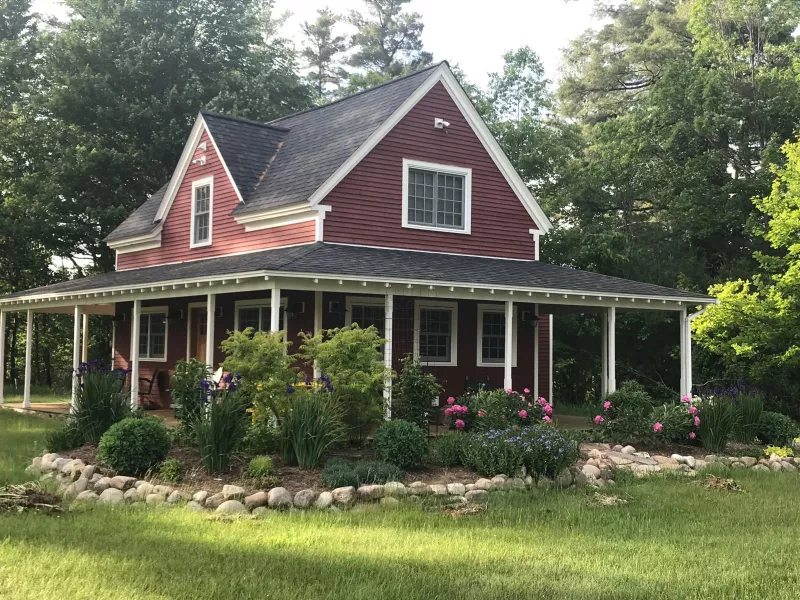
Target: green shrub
<point x="312" y="426"/>
<point x="413" y="393"/>
<point x="676" y="422"/>
<point x="749" y="407"/>
<point x="496" y="409"/>
<point x="717" y="422"/>
<point x="775" y="429"/>
<point x="220" y="427"/>
<point x="783" y="452"/>
<point x="187" y="395"/>
<point x="341" y="473"/>
<point x="67" y="436"/>
<point x="262" y="437"/>
<point x="260" y="466"/>
<point x="133" y="445"/>
<point x="101" y="401"/>
<point x="170" y="470"/>
<point x="445" y="450"/>
<point x="401" y="443"/>
<point x="625" y="414"/>
<point x="490" y="453"/>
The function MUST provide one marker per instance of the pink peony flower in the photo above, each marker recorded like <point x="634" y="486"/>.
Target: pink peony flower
<point x="542" y="401"/>
<point x="657" y="427"/>
<point x="523" y="414"/>
<point x="697" y="421"/>
<point x="451" y="400"/>
<point x="448" y="411"/>
<point x="481" y="413"/>
<point x="459" y="424"/>
<point x="548" y="410"/>
<point x="527" y="391"/>
<point x="692" y="410"/>
<point x="598" y="419"/>
<point x="547" y="419"/>
<point x="606" y="405"/>
<point x="530" y="403"/>
<point x="509" y="391"/>
<point x="687" y="399"/>
<point x="692" y="435"/>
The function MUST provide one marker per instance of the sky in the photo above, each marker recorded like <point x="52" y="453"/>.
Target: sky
<point x="473" y="38"/>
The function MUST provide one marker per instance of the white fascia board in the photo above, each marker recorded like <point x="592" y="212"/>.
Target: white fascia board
<point x="137" y="242"/>
<point x="277" y="217"/>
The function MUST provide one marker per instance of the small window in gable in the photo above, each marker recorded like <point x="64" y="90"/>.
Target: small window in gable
<point x="436" y="197"/>
<point x="202" y="211"/>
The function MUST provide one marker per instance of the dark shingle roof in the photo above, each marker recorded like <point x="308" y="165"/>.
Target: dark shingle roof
<point x="141" y="220"/>
<point x="359" y="261"/>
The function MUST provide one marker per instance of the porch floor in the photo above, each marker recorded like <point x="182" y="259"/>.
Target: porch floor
<point x="58" y="409"/>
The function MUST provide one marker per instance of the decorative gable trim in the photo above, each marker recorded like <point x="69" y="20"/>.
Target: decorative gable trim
<point x="278" y="217"/>
<point x="138" y="242"/>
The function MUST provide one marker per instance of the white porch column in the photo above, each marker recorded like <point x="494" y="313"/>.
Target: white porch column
<point x="603" y="356"/>
<point x="317" y="324"/>
<point x="509" y="351"/>
<point x="26" y="393"/>
<point x="79" y="323"/>
<point x="550" y="398"/>
<point x="536" y="353"/>
<point x="612" y="350"/>
<point x="686" y="353"/>
<point x="275" y="309"/>
<point x="85" y="339"/>
<point x="136" y="316"/>
<point x="211" y="309"/>
<point x="2" y="355"/>
<point x="387" y="352"/>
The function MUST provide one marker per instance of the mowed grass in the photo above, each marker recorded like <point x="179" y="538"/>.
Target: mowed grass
<point x="21" y="438"/>
<point x="673" y="539"/>
<point x="39" y="394"/>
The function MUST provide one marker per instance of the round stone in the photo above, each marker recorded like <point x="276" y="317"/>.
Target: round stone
<point x="112" y="496"/>
<point x="279" y="497"/>
<point x="231" y="507"/>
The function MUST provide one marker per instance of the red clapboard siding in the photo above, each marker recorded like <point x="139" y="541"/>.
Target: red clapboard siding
<point x="367" y="204"/>
<point x="227" y="235"/>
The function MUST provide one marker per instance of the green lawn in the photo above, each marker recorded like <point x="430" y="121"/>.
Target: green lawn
<point x="674" y="539"/>
<point x="21" y="438"/>
<point x="39" y="394"/>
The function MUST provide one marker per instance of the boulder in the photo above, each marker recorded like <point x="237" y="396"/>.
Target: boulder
<point x="477" y="496"/>
<point x="528" y="481"/>
<point x="139" y="483"/>
<point x="87" y="496"/>
<point x="498" y="482"/>
<point x="579" y="479"/>
<point x="370" y="492"/>
<point x="515" y="483"/>
<point x="617" y="448"/>
<point x="760" y="467"/>
<point x="419" y="489"/>
<point x="178" y="496"/>
<point x="195" y="506"/>
<point x="773" y="458"/>
<point x="215" y="500"/>
<point x="155" y="499"/>
<point x="231" y="507"/>
<point x="787" y="466"/>
<point x="304" y="498"/>
<point x="112" y="496"/>
<point x="439" y="490"/>
<point x="279" y="497"/>
<point x="390" y="502"/>
<point x="131" y="495"/>
<point x="102" y="484"/>
<point x="545" y="483"/>
<point x="260" y="511"/>
<point x="564" y="479"/>
<point x="394" y="489"/>
<point x="690" y="460"/>
<point x="233" y="492"/>
<point x="200" y="497"/>
<point x="88" y="471"/>
<point x="76" y="487"/>
<point x="483" y="484"/>
<point x="36" y="464"/>
<point x="95" y="478"/>
<point x="163" y="489"/>
<point x="737" y="465"/>
<point x="776" y="466"/>
<point x="591" y="471"/>
<point x="255" y="500"/>
<point x="595" y="453"/>
<point x="456" y="489"/>
<point x="628" y="450"/>
<point x="749" y="461"/>
<point x="521" y="472"/>
<point x="144" y="490"/>
<point x="456" y="501"/>
<point x="324" y="500"/>
<point x="121" y="482"/>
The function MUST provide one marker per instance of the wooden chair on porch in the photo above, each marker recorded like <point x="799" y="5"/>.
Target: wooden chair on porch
<point x="470" y="387"/>
<point x="146" y="390"/>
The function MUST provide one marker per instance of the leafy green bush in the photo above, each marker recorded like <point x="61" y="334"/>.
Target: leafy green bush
<point x="489" y="452"/>
<point x="749" y="406"/>
<point x="775" y="429"/>
<point x="134" y="445"/>
<point x="312" y="425"/>
<point x="187" y="395"/>
<point x="783" y="452"/>
<point x="101" y="401"/>
<point x="66" y="437"/>
<point x="220" y="426"/>
<point x="496" y="409"/>
<point x="170" y="470"/>
<point x="262" y="437"/>
<point x="445" y="450"/>
<point x="341" y="473"/>
<point x="717" y="417"/>
<point x="413" y="393"/>
<point x="677" y="423"/>
<point x="260" y="466"/>
<point x="625" y="414"/>
<point x="401" y="443"/>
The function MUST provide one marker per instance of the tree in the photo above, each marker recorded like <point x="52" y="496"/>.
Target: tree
<point x="323" y="49"/>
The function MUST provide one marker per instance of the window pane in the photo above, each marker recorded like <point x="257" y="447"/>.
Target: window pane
<point x="144" y="324"/>
<point x="158" y="335"/>
<point x="493" y="348"/>
<point x="249" y="317"/>
<point x="365" y="315"/>
<point x="434" y="335"/>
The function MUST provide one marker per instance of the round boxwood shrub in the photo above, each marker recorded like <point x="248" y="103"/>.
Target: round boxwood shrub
<point x="401" y="443"/>
<point x="776" y="429"/>
<point x="133" y="445"/>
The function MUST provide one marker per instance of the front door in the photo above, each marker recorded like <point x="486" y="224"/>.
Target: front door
<point x="197" y="342"/>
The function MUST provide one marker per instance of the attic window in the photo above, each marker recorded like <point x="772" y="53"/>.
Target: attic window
<point x="202" y="211"/>
<point x="436" y="197"/>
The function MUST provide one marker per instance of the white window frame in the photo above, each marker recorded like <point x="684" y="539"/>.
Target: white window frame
<point x="437" y="304"/>
<point x="351" y="301"/>
<point x="262" y="304"/>
<point x="499" y="309"/>
<point x="464" y="172"/>
<point x="206" y="181"/>
<point x="150" y="310"/>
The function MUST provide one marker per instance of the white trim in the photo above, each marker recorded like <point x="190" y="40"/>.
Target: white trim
<point x="388" y="312"/>
<point x="536" y="334"/>
<point x="84" y="337"/>
<point x="261" y="303"/>
<point x="438" y="304"/>
<point x="536" y="236"/>
<point x="211" y="315"/>
<point x="26" y="393"/>
<point x="464" y="172"/>
<point x="611" y="315"/>
<point x="318" y="299"/>
<point x="136" y="313"/>
<point x="198" y="183"/>
<point x="508" y="313"/>
<point x="299" y="212"/>
<point x="427" y="251"/>
<point x="151" y="310"/>
<point x="138" y="242"/>
<point x="319" y="233"/>
<point x="77" y="325"/>
<point x="350" y="301"/>
<point x="550" y="378"/>
<point x="499" y="309"/>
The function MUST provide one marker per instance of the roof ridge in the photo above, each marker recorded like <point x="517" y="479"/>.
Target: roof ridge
<point x="359" y="93"/>
<point x="203" y="111"/>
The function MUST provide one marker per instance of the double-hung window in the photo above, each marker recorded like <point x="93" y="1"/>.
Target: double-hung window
<point x="492" y="336"/>
<point x="258" y="315"/>
<point x="202" y="211"/>
<point x="366" y="311"/>
<point x="436" y="197"/>
<point x="435" y="332"/>
<point x="153" y="334"/>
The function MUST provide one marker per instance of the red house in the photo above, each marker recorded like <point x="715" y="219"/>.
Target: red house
<point x="393" y="207"/>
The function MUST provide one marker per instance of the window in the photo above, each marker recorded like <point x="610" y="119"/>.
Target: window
<point x="436" y="197"/>
<point x="202" y="201"/>
<point x="435" y="333"/>
<point x="153" y="334"/>
<point x="258" y="315"/>
<point x="366" y="311"/>
<point x="492" y="336"/>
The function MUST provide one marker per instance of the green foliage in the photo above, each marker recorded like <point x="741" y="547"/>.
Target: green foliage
<point x="401" y="443"/>
<point x="262" y="437"/>
<point x="342" y="473"/>
<point x="446" y="450"/>
<point x="628" y="417"/>
<point x="259" y="466"/>
<point x="749" y="406"/>
<point x="220" y="427"/>
<point x="187" y="395"/>
<point x="66" y="436"/>
<point x="170" y="470"/>
<point x="312" y="426"/>
<point x="718" y="421"/>
<point x="496" y="409"/>
<point x="782" y="451"/>
<point x="101" y="401"/>
<point x="676" y="422"/>
<point x="352" y="359"/>
<point x="134" y="445"/>
<point x="323" y="51"/>
<point x="413" y="393"/>
<point x="775" y="429"/>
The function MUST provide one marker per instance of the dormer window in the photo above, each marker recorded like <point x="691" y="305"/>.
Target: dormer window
<point x="436" y="197"/>
<point x="202" y="211"/>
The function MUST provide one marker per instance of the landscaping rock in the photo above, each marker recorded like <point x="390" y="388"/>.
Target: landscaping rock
<point x="87" y="496"/>
<point x="456" y="501"/>
<point x="195" y="506"/>
<point x="139" y="483"/>
<point x="395" y="489"/>
<point x="737" y="465"/>
<point x="544" y="483"/>
<point x="370" y="492"/>
<point x="131" y="495"/>
<point x="75" y="488"/>
<point x="122" y="482"/>
<point x="591" y="471"/>
<point x="439" y="490"/>
<point x="144" y="490"/>
<point x="521" y="472"/>
<point x="483" y="484"/>
<point x="498" y="482"/>
<point x="763" y="461"/>
<point x="787" y="466"/>
<point x="255" y="500"/>
<point x="344" y="495"/>
<point x="477" y="496"/>
<point x="279" y="497"/>
<point x="699" y="463"/>
<point x="595" y="453"/>
<point x="628" y="450"/>
<point x="515" y="483"/>
<point x="260" y="511"/>
<point x="155" y="499"/>
<point x="749" y="461"/>
<point x="324" y="500"/>
<point x="178" y="497"/>
<point x="776" y="466"/>
<point x="564" y="479"/>
<point x="200" y="497"/>
<point x="579" y="479"/>
<point x="102" y="485"/>
<point x="617" y="448"/>
<point x="623" y="458"/>
<point x="690" y="460"/>
<point x="215" y="500"/>
<point x="419" y="489"/>
<point x="390" y="502"/>
<point x="112" y="496"/>
<point x="304" y="498"/>
<point x="95" y="478"/>
<point x="231" y="507"/>
<point x="163" y="489"/>
<point x="760" y="467"/>
<point x="456" y="489"/>
<point x="88" y="471"/>
<point x="233" y="492"/>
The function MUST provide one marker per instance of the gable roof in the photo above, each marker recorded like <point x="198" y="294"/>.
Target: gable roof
<point x="142" y="220"/>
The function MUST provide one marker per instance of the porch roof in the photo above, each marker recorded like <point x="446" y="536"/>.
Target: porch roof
<point x="361" y="263"/>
